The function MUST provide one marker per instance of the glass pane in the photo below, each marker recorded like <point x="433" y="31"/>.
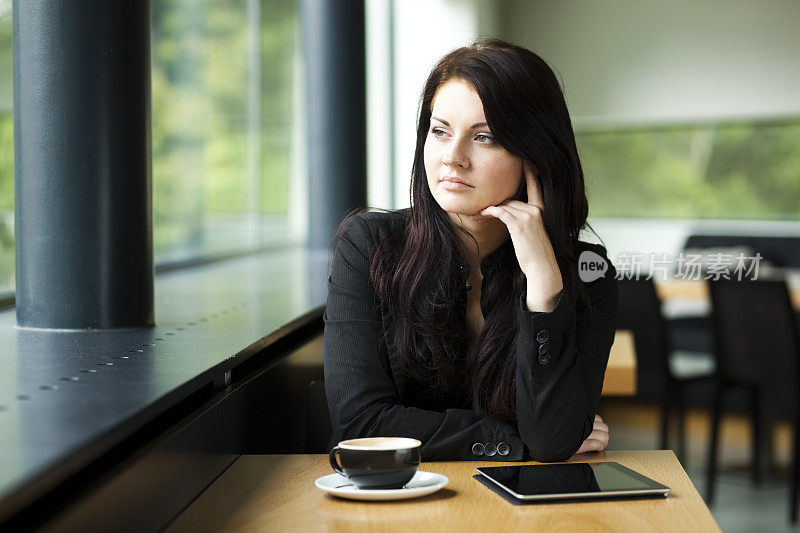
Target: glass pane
<point x="226" y="143"/>
<point x="223" y="81"/>
<point x="6" y="152"/>
<point x="734" y="171"/>
<point x="281" y="114"/>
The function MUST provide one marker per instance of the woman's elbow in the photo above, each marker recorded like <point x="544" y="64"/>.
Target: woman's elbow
<point x="550" y="454"/>
<point x="547" y="449"/>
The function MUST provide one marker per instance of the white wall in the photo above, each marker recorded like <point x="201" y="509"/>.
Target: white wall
<point x="656" y="61"/>
<point x="669" y="235"/>
<point x="649" y="62"/>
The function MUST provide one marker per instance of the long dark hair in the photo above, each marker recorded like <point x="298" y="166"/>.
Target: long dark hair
<point x="415" y="272"/>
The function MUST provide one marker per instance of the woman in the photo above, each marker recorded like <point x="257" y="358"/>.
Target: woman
<point x="462" y="321"/>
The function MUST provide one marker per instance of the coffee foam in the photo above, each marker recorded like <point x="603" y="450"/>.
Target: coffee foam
<point x="380" y="443"/>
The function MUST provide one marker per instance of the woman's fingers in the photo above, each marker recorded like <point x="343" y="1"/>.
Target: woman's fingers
<point x="501" y="212"/>
<point x="601" y="436"/>
<point x="591" y="445"/>
<point x="514" y="206"/>
<point x="597" y="439"/>
<point x="522" y="207"/>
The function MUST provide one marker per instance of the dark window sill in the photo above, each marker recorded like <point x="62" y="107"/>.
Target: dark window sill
<point x="66" y="398"/>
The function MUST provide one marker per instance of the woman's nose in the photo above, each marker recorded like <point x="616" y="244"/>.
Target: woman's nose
<point x="455" y="156"/>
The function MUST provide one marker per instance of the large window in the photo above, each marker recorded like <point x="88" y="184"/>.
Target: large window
<point x="224" y="135"/>
<point x="226" y="94"/>
<point x="748" y="170"/>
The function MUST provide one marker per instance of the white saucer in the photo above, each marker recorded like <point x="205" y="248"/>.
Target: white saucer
<point x="421" y="484"/>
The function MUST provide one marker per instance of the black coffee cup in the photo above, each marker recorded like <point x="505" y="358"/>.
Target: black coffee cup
<point x="377" y="462"/>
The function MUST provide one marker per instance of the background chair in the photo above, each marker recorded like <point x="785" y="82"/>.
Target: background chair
<point x="779" y="251"/>
<point x="756" y="348"/>
<point x="660" y="374"/>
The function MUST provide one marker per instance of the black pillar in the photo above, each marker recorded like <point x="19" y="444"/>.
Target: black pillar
<point x="83" y="226"/>
<point x="334" y="51"/>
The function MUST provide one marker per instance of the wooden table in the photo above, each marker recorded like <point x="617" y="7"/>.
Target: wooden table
<point x="620" y="378"/>
<point x="698" y="290"/>
<point x="277" y="493"/>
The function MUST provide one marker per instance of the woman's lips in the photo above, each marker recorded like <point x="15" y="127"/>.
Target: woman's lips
<point x="455" y="185"/>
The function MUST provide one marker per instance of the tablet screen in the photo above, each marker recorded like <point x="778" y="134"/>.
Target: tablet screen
<point x="571" y="479"/>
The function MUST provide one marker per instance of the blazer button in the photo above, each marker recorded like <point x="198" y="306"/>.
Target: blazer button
<point x="544" y="358"/>
<point x="542" y="336"/>
<point x="490" y="449"/>
<point x="477" y="448"/>
<point x="544" y="348"/>
<point x="503" y="448"/>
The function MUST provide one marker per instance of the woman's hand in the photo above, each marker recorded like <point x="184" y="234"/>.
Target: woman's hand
<point x="598" y="440"/>
<point x="531" y="244"/>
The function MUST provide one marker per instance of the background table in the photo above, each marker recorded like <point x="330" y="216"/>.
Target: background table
<point x="620" y="378"/>
<point x="698" y="290"/>
<point x="277" y="493"/>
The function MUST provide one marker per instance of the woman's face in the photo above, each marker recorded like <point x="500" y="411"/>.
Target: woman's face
<point x="460" y="146"/>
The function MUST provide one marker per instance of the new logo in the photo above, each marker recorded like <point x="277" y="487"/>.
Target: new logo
<point x="591" y="266"/>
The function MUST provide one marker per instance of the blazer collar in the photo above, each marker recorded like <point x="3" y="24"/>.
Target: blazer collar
<point x="493" y="259"/>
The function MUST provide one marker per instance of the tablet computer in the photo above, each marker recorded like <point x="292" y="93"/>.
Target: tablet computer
<point x="572" y="481"/>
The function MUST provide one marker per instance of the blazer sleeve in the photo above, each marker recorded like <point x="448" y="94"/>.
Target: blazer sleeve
<point x="362" y="397"/>
<point x="561" y="363"/>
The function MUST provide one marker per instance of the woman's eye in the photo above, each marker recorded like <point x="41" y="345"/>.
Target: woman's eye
<point x="437" y="132"/>
<point x="487" y="138"/>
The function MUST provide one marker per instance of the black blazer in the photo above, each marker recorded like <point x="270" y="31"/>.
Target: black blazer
<point x="557" y="392"/>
